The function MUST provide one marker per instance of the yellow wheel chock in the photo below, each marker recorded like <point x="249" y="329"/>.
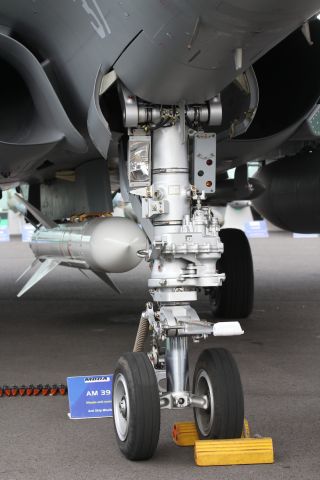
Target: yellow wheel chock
<point x="237" y="451"/>
<point x="185" y="434"/>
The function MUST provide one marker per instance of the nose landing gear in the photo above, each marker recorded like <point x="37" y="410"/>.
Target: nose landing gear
<point x="184" y="249"/>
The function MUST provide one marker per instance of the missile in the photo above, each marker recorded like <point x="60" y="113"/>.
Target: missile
<point x="103" y="245"/>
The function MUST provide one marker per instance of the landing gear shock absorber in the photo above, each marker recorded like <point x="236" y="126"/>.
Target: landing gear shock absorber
<point x="184" y="249"/>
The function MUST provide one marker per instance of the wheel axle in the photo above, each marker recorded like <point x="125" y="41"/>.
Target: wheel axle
<point x="183" y="399"/>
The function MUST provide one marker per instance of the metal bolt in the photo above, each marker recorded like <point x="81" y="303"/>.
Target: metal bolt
<point x="123" y="407"/>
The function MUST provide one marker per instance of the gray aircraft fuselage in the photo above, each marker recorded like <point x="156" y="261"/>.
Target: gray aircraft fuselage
<point x="164" y="51"/>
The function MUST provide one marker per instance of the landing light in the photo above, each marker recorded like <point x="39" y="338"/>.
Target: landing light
<point x="139" y="161"/>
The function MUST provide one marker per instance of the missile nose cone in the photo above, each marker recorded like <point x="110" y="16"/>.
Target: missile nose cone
<point x="114" y="245"/>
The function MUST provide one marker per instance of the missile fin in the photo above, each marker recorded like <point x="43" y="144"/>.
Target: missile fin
<point x="83" y="272"/>
<point x="35" y="261"/>
<point x="105" y="278"/>
<point x="46" y="267"/>
<point x="45" y="221"/>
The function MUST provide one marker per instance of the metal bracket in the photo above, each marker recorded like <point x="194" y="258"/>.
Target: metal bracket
<point x="183" y="320"/>
<point x="176" y="400"/>
<point x="151" y="208"/>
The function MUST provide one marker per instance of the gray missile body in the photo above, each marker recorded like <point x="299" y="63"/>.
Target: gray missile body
<point x="105" y="244"/>
<point x="102" y="245"/>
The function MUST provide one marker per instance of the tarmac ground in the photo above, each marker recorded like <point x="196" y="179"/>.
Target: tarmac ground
<point x="68" y="325"/>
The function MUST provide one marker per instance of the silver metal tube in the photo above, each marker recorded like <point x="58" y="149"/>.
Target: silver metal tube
<point x="199" y="402"/>
<point x="171" y="176"/>
<point x="177" y="364"/>
<point x="170" y="167"/>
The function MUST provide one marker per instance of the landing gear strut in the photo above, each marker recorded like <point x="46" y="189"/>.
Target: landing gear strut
<point x="184" y="249"/>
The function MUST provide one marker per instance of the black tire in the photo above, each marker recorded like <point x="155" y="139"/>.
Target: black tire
<point x="137" y="422"/>
<point x="216" y="375"/>
<point x="234" y="299"/>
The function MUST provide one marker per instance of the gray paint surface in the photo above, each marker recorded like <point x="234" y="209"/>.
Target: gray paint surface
<point x="69" y="325"/>
<point x="164" y="51"/>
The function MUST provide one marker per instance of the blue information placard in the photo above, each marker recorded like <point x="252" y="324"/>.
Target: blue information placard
<point x="90" y="396"/>
<point x="256" y="229"/>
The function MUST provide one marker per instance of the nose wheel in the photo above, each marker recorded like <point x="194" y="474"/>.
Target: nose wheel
<point x="136" y="401"/>
<point x="234" y="299"/>
<point x="217" y="377"/>
<point x="136" y="406"/>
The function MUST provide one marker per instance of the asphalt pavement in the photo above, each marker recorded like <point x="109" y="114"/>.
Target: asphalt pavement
<point x="69" y="325"/>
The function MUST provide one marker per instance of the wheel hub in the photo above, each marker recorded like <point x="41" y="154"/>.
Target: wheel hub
<point x="122" y="410"/>
<point x="123" y="407"/>
<point x="205" y="417"/>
